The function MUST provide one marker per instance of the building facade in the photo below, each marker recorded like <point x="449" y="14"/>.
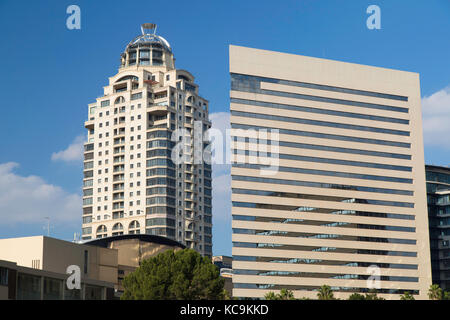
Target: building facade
<point x="22" y="283"/>
<point x="438" y="192"/>
<point x="224" y="263"/>
<point x="328" y="180"/>
<point x="36" y="267"/>
<point x="149" y="111"/>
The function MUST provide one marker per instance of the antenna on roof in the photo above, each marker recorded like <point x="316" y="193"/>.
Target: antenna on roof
<point x="48" y="227"/>
<point x="148" y="28"/>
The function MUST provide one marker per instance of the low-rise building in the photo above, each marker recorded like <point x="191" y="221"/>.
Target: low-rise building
<point x="23" y="283"/>
<point x="36" y="267"/>
<point x="224" y="263"/>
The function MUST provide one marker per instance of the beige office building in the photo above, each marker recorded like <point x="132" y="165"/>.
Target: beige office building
<point x="36" y="267"/>
<point x="130" y="184"/>
<point x="344" y="204"/>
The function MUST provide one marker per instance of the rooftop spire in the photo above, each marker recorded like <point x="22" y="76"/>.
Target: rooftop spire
<point x="148" y="28"/>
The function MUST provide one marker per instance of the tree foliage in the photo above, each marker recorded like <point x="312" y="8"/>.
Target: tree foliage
<point x="435" y="292"/>
<point x="372" y="295"/>
<point x="356" y="296"/>
<point x="180" y="275"/>
<point x="283" y="295"/>
<point x="407" y="296"/>
<point x="325" y="293"/>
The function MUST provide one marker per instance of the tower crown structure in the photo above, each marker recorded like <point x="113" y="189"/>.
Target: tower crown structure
<point x="148" y="49"/>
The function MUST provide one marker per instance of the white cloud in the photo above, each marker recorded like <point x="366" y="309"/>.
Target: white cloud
<point x="73" y="153"/>
<point x="29" y="199"/>
<point x="436" y="118"/>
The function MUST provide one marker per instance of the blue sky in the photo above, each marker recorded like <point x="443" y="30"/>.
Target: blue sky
<point x="50" y="74"/>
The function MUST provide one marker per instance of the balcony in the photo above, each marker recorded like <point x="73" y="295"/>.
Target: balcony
<point x="88" y="147"/>
<point x="119" y="132"/>
<point x="121" y="87"/>
<point x="119" y="141"/>
<point x="119" y="178"/>
<point x="159" y="109"/>
<point x="119" y="159"/>
<point x="118" y="206"/>
<point x="119" y="197"/>
<point x="119" y="150"/>
<point x="119" y="187"/>
<point x="89" y="124"/>
<point x="118" y="169"/>
<point x="160" y="95"/>
<point x="120" y="121"/>
<point x="88" y="156"/>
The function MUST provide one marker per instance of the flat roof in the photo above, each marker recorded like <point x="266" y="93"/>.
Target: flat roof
<point x="104" y="242"/>
<point x="435" y="167"/>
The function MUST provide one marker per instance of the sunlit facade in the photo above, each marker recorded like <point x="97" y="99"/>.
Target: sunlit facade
<point x="346" y="203"/>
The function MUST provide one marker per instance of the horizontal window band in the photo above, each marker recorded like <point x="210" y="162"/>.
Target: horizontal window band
<point x="311" y="249"/>
<point x="318" y="123"/>
<point x="321" y="160"/>
<point x="326" y="173"/>
<point x="272" y="273"/>
<point x="240" y="77"/>
<point x="309" y="261"/>
<point x="324" y="236"/>
<point x="317" y="110"/>
<point x="321" y="185"/>
<point x="237" y="285"/>
<point x="334" y="137"/>
<point x="265" y="206"/>
<point x="280" y="195"/>
<point x="253" y="85"/>
<point x="329" y="224"/>
<point x="324" y="148"/>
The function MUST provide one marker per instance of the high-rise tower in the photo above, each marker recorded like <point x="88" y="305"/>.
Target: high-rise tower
<point x="346" y="205"/>
<point x="131" y="185"/>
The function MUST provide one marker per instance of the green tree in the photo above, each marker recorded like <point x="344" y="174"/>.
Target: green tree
<point x="286" y="295"/>
<point x="226" y="295"/>
<point x="435" y="292"/>
<point x="325" y="293"/>
<point x="372" y="295"/>
<point x="283" y="295"/>
<point x="356" y="296"/>
<point x="446" y="295"/>
<point x="271" y="296"/>
<point x="180" y="275"/>
<point x="407" y="296"/>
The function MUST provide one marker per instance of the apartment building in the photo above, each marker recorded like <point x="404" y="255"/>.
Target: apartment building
<point x="328" y="179"/>
<point x="149" y="112"/>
